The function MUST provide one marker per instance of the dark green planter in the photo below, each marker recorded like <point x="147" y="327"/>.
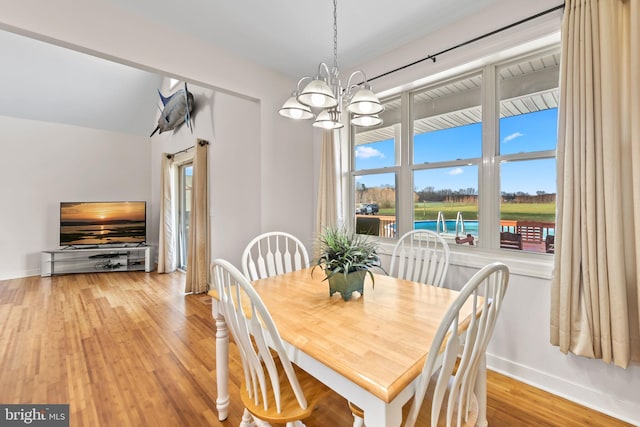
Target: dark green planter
<point x="348" y="284"/>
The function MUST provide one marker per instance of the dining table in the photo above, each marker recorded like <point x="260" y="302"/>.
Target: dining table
<point x="370" y="349"/>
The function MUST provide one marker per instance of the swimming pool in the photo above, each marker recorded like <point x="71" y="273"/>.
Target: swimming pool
<point x="470" y="226"/>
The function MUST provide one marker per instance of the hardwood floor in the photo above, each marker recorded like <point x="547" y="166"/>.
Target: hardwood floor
<point x="130" y="349"/>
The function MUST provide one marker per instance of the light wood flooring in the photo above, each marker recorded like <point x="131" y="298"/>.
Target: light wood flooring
<point x="130" y="349"/>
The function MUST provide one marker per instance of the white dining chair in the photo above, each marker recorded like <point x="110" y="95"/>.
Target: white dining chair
<point x="445" y="390"/>
<point x="420" y="256"/>
<point x="273" y="253"/>
<point x="272" y="390"/>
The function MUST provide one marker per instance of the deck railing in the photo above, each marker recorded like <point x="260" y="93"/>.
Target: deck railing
<point x="531" y="231"/>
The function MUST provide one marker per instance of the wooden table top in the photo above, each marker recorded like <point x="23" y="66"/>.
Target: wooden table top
<point x="378" y="341"/>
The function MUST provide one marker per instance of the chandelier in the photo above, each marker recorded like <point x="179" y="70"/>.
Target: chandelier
<point x="325" y="95"/>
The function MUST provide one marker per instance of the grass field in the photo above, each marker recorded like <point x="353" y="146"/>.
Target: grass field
<point x="545" y="212"/>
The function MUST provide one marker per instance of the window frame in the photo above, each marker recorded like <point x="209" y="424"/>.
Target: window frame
<point x="489" y="193"/>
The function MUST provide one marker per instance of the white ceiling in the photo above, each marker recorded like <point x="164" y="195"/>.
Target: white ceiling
<point x="293" y="36"/>
<point x="43" y="82"/>
<point x="40" y="81"/>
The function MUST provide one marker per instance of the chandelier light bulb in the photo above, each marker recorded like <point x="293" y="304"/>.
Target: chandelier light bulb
<point x="366" y="107"/>
<point x="365" y="102"/>
<point x="325" y="125"/>
<point x="295" y="110"/>
<point x="317" y="100"/>
<point x="318" y="94"/>
<point x="328" y="119"/>
<point x="366" y="120"/>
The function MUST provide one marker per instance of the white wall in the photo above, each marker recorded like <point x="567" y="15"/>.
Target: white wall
<point x="520" y="348"/>
<point x="46" y="163"/>
<point x="231" y="125"/>
<point x="258" y="142"/>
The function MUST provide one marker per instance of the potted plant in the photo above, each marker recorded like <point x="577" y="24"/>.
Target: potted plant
<point x="346" y="258"/>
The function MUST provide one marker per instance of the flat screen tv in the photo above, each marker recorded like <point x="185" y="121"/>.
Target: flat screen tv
<point x="102" y="223"/>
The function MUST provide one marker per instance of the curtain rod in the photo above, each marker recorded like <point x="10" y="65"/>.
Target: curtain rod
<point x="201" y="142"/>
<point x="435" y="55"/>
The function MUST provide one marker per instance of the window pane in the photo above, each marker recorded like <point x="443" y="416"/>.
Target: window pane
<point x="375" y="147"/>
<point x="374" y="155"/>
<point x="444" y="195"/>
<point x="528" y="123"/>
<point x="535" y="131"/>
<point x="448" y="122"/>
<point x="529" y="104"/>
<point x="528" y="206"/>
<point x="375" y="204"/>
<point x="456" y="143"/>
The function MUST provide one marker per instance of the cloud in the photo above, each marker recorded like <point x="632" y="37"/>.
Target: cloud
<point x="368" y="152"/>
<point x="512" y="136"/>
<point x="455" y="171"/>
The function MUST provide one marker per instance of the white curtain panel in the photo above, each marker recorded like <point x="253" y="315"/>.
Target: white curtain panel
<point x="197" y="280"/>
<point x="167" y="260"/>
<point x="328" y="185"/>
<point x="594" y="291"/>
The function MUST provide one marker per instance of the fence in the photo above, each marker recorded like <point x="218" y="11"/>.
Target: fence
<point x="531" y="231"/>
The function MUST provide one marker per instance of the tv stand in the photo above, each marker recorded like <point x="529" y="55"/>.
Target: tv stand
<point x="95" y="260"/>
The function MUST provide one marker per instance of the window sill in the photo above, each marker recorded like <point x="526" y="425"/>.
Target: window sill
<point x="519" y="263"/>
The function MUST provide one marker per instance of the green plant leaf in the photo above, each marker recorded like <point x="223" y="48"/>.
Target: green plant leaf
<point x="343" y="251"/>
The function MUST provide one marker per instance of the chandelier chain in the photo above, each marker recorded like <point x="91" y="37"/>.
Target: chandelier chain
<point x="324" y="92"/>
<point x="335" y="34"/>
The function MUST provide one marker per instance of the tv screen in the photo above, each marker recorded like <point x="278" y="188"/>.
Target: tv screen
<point x="102" y="223"/>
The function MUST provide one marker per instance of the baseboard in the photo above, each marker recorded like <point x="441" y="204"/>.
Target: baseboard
<point x="591" y="398"/>
<point x="19" y="274"/>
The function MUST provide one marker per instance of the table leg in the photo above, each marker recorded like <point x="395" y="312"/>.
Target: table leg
<point x="481" y="392"/>
<point x="383" y="415"/>
<point x="222" y="362"/>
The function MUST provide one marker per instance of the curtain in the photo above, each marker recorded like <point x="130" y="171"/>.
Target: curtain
<point x="327" y="203"/>
<point x="167" y="239"/>
<point x="594" y="290"/>
<point x="198" y="251"/>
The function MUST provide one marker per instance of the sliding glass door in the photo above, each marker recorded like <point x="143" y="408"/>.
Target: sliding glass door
<point x="185" y="175"/>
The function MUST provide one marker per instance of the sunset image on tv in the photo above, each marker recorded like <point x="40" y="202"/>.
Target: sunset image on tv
<point x="100" y="223"/>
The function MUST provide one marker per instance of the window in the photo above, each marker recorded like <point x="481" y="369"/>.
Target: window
<point x="473" y="155"/>
<point x="447" y="148"/>
<point x="185" y="176"/>
<point x="374" y="165"/>
<point x="528" y="135"/>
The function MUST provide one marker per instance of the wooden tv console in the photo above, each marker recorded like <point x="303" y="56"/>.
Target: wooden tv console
<point x="95" y="260"/>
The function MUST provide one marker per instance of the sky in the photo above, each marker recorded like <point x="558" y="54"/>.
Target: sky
<point x="102" y="211"/>
<point x="523" y="133"/>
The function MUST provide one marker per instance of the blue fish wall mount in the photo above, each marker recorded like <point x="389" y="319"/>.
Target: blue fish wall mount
<point x="177" y="109"/>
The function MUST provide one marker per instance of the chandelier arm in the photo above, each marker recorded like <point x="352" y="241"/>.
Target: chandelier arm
<point x="300" y="82"/>
<point x="349" y="87"/>
<point x="364" y="78"/>
<point x="325" y="67"/>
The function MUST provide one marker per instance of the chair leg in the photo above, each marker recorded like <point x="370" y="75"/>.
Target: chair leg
<point x="296" y="424"/>
<point x="248" y="420"/>
<point x="357" y="421"/>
